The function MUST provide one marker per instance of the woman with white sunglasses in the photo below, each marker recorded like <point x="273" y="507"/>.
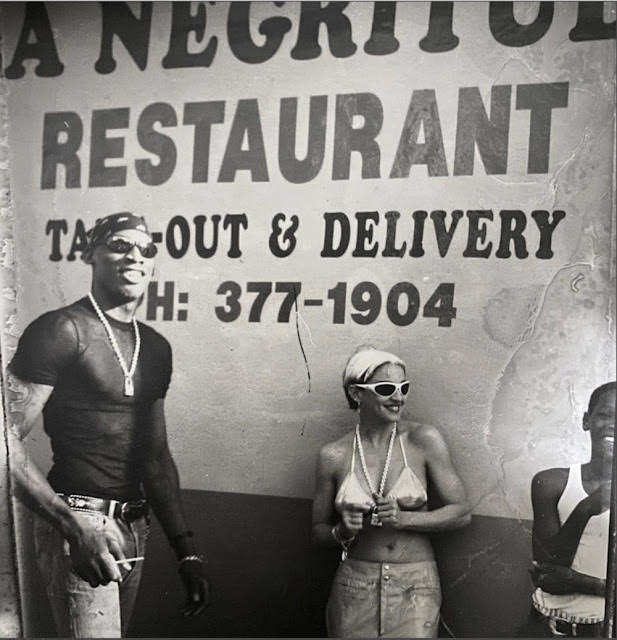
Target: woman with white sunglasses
<point x="371" y="501"/>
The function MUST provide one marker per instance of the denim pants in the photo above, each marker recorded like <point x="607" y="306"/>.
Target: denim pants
<point x="82" y="611"/>
<point x="379" y="599"/>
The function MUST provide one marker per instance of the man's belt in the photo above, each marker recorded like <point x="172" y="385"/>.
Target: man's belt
<point x="576" y="629"/>
<point x="127" y="511"/>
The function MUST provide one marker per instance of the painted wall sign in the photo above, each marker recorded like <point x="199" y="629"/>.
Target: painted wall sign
<point x="433" y="178"/>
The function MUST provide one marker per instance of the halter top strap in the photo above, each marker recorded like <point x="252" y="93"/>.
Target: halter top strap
<point x="400" y="439"/>
<point x="353" y="454"/>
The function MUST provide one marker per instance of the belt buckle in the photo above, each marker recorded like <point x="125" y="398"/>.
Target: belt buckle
<point x="124" y="509"/>
<point x="77" y="502"/>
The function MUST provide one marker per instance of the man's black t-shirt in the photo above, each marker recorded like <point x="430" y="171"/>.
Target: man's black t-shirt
<point x="96" y="431"/>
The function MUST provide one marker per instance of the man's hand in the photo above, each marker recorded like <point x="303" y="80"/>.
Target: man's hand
<point x="196" y="585"/>
<point x="600" y="500"/>
<point x="94" y="554"/>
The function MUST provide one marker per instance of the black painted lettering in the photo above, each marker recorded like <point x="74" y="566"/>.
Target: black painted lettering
<point x="43" y="49"/>
<point x="62" y="135"/>
<point x="348" y="138"/>
<point x="334" y="220"/>
<point x="513" y="223"/>
<point x="177" y="237"/>
<point x="546" y="228"/>
<point x="162" y="146"/>
<point x="443" y="234"/>
<point x="422" y="113"/>
<point x="103" y="147"/>
<point x="80" y="240"/>
<point x="590" y="24"/>
<point x="247" y="124"/>
<point x="417" y="250"/>
<point x="382" y="40"/>
<point x="57" y="228"/>
<point x="477" y="234"/>
<point x="440" y="36"/>
<point x="202" y="115"/>
<point x="541" y="99"/>
<point x="183" y="23"/>
<point x="292" y="169"/>
<point x="133" y="31"/>
<point x="200" y="246"/>
<point x="390" y="249"/>
<point x="507" y="31"/>
<point x="239" y="34"/>
<point x="164" y="301"/>
<point x="475" y="128"/>
<point x="236" y="222"/>
<point x="312" y="16"/>
<point x="364" y="238"/>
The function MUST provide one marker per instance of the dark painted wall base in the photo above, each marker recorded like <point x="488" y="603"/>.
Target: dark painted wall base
<point x="268" y="581"/>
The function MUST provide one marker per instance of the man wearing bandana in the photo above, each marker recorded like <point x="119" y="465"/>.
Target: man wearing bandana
<point x="100" y="378"/>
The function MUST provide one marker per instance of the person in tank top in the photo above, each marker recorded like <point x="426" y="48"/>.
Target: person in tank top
<point x="371" y="501"/>
<point x="571" y="511"/>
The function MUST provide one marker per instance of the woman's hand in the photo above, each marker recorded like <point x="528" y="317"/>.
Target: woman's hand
<point x="388" y="512"/>
<point x="352" y="519"/>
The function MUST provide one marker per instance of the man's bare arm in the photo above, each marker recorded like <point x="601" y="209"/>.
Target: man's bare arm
<point x="25" y="404"/>
<point x="560" y="580"/>
<point x="93" y="556"/>
<point x="162" y="486"/>
<point x="552" y="542"/>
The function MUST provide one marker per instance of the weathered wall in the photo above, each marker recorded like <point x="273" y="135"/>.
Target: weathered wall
<point x="253" y="397"/>
<point x="10" y="608"/>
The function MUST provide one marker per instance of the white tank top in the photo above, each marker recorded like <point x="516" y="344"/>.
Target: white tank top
<point x="590" y="558"/>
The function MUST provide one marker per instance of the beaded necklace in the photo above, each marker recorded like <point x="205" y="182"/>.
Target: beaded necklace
<point x="384" y="473"/>
<point x="129" y="389"/>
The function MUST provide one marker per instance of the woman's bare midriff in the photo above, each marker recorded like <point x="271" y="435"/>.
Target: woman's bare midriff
<point x="384" y="544"/>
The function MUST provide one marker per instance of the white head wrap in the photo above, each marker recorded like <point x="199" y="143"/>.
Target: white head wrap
<point x="362" y="364"/>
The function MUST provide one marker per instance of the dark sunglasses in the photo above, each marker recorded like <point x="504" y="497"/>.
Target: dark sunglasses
<point x="386" y="389"/>
<point x="121" y="245"/>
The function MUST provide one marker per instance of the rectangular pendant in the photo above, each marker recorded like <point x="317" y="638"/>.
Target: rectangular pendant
<point x="375" y="520"/>
<point x="128" y="386"/>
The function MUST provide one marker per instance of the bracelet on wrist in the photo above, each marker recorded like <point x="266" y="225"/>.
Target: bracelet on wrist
<point x="344" y="542"/>
<point x="192" y="558"/>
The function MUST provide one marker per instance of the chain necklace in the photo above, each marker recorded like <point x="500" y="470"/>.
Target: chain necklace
<point x="129" y="389"/>
<point x="384" y="474"/>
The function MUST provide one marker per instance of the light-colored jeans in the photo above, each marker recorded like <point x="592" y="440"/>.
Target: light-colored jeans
<point x="82" y="611"/>
<point x="379" y="599"/>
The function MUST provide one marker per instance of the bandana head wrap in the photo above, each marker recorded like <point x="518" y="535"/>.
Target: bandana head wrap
<point x="107" y="226"/>
<point x="361" y="366"/>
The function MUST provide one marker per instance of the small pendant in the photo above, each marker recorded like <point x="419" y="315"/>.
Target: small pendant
<point x="128" y="386"/>
<point x="375" y="520"/>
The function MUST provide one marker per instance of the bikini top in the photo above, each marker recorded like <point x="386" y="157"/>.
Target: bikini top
<point x="407" y="487"/>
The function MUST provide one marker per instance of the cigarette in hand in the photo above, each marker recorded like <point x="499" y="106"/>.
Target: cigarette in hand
<point x="136" y="559"/>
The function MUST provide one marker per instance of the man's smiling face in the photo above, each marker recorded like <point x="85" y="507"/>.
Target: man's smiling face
<point x="123" y="276"/>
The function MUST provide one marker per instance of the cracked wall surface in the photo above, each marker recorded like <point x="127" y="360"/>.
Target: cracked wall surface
<point x="506" y="383"/>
